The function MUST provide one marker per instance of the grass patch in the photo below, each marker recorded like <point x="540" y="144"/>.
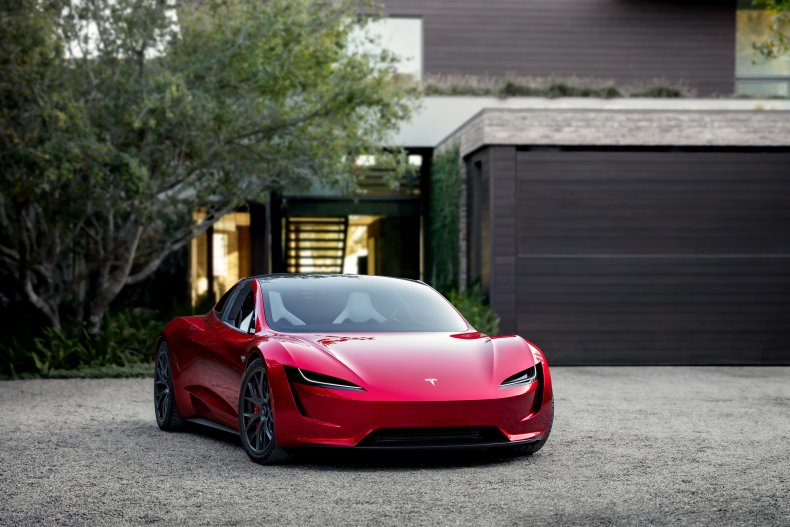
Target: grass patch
<point x="130" y="371"/>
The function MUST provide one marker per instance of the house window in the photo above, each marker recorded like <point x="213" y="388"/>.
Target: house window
<point x="227" y="252"/>
<point x="755" y="75"/>
<point x="403" y="37"/>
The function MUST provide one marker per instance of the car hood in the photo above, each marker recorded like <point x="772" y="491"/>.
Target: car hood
<point x="419" y="366"/>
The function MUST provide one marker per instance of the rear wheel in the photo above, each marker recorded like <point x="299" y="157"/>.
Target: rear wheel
<point x="167" y="415"/>
<point x="256" y="417"/>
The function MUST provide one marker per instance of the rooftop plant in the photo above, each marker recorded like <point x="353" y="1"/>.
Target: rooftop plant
<point x="521" y="86"/>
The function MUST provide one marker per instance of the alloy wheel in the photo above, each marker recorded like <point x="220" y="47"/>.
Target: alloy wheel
<point x="257" y="416"/>
<point x="162" y="385"/>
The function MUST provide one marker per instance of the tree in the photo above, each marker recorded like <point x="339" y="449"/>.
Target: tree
<point x="778" y="43"/>
<point x="122" y="118"/>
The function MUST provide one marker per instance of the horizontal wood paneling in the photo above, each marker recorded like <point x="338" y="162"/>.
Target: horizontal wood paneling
<point x="654" y="257"/>
<point x="627" y="40"/>
<point x="503" y="205"/>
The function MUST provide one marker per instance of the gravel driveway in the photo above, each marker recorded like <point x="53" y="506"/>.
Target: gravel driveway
<point x="630" y="446"/>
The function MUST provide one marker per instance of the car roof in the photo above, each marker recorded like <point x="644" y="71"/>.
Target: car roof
<point x="312" y="276"/>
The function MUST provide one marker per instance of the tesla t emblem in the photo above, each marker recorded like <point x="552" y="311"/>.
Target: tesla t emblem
<point x="432" y="381"/>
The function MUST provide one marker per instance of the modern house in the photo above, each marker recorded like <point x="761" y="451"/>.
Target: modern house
<point x="624" y="230"/>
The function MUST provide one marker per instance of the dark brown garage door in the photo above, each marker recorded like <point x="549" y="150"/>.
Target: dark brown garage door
<point x="651" y="257"/>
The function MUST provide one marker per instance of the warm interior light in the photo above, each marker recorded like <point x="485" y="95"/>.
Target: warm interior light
<point x="220" y="259"/>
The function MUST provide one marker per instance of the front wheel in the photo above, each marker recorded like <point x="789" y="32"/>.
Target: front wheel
<point x="531" y="448"/>
<point x="167" y="415"/>
<point x="256" y="417"/>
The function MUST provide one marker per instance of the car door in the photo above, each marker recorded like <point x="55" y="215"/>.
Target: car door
<point x="195" y="362"/>
<point x="236" y="332"/>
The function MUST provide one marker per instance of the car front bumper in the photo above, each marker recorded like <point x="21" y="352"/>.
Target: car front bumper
<point x="313" y="416"/>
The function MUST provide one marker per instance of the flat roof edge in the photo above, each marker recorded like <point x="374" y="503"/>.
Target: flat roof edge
<point x="621" y="127"/>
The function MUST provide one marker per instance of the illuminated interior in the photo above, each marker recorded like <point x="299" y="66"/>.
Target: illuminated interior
<point x="360" y="248"/>
<point x="230" y="249"/>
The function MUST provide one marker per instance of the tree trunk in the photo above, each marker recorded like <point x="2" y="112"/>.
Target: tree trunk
<point x="51" y="314"/>
<point x="111" y="283"/>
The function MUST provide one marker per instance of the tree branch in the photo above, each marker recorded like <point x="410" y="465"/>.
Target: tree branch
<point x="176" y="244"/>
<point x="9" y="254"/>
<point x="323" y="109"/>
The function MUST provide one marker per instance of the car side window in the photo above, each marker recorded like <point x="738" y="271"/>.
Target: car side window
<point x="223" y="300"/>
<point x="241" y="314"/>
<point x="246" y="317"/>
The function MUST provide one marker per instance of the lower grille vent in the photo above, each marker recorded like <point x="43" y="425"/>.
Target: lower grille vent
<point x="426" y="437"/>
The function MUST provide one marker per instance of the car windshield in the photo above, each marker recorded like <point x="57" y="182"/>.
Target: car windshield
<point x="350" y="303"/>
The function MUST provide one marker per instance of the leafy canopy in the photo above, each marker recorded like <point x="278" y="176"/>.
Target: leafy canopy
<point x="121" y="118"/>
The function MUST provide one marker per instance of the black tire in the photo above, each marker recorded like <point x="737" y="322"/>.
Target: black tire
<point x="531" y="448"/>
<point x="256" y="417"/>
<point x="167" y="415"/>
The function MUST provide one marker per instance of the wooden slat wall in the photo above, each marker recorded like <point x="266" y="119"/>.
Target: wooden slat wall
<point x="478" y="216"/>
<point x="503" y="206"/>
<point x="648" y="257"/>
<point x="628" y="40"/>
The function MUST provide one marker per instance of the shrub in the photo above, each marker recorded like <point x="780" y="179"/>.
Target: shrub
<point x="473" y="306"/>
<point x="126" y="338"/>
<point x="521" y="86"/>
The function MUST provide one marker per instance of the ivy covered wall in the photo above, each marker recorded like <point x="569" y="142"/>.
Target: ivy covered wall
<point x="444" y="204"/>
<point x="444" y="226"/>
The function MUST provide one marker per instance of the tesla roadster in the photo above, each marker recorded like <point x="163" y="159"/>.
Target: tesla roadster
<point x="364" y="362"/>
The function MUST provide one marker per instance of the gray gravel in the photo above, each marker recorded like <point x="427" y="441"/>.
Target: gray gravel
<point x="630" y="446"/>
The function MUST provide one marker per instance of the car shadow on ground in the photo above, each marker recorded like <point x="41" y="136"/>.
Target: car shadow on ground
<point x="329" y="458"/>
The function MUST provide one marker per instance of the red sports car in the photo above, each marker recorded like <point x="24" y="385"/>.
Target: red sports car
<point x="367" y="362"/>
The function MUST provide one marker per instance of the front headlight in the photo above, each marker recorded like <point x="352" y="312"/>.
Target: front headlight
<point x="312" y="378"/>
<point x="521" y="378"/>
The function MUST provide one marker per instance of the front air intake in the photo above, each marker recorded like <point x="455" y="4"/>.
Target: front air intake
<point x="433" y="437"/>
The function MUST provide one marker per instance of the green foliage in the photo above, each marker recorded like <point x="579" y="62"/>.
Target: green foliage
<point x="513" y="86"/>
<point x="445" y="198"/>
<point x="559" y="89"/>
<point x="127" y="338"/>
<point x="660" y="92"/>
<point x="473" y="306"/>
<point x="55" y="350"/>
<point x="778" y="43"/>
